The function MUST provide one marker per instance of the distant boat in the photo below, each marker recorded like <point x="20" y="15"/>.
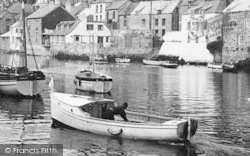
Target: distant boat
<point x="152" y="62"/>
<point x="101" y="60"/>
<point x="214" y="65"/>
<point x="122" y="60"/>
<point x="168" y="64"/>
<point x="229" y="67"/>
<point x="18" y="80"/>
<point x="85" y="113"/>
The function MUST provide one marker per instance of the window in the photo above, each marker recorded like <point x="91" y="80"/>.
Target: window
<point x="113" y="14"/>
<point x="77" y="38"/>
<point x="36" y="36"/>
<point x="8" y="20"/>
<point x="240" y="39"/>
<point x="100" y="8"/>
<point x="29" y="24"/>
<point x="163" y="32"/>
<point x="90" y="18"/>
<point x="100" y="17"/>
<point x="96" y="9"/>
<point x="125" y="22"/>
<point x="156" y="32"/>
<point x="96" y="18"/>
<point x="232" y="24"/>
<point x="247" y="23"/>
<point x="163" y="22"/>
<point x="90" y="27"/>
<point x="107" y="39"/>
<point x="100" y="27"/>
<point x="7" y="28"/>
<point x="143" y="22"/>
<point x="156" y="22"/>
<point x="107" y="15"/>
<point x="158" y="11"/>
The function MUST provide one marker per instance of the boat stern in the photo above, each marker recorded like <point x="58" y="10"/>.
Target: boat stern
<point x="186" y="130"/>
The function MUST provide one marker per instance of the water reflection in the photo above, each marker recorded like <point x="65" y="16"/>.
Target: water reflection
<point x="23" y="120"/>
<point x="15" y="108"/>
<point x="92" y="144"/>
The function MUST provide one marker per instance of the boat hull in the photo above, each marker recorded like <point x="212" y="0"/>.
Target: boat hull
<point x="121" y="60"/>
<point x="169" y="65"/>
<point x="174" y="130"/>
<point x="23" y="88"/>
<point x="214" y="66"/>
<point x="152" y="62"/>
<point x="28" y="84"/>
<point x="93" y="82"/>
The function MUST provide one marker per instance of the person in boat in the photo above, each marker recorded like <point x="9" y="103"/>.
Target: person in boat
<point x="117" y="110"/>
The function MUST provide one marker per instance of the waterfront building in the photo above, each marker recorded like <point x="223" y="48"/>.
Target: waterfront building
<point x="16" y="36"/>
<point x="200" y="25"/>
<point x="113" y="11"/>
<point x="11" y="15"/>
<point x="98" y="9"/>
<point x="159" y="16"/>
<point x="41" y="23"/>
<point x="81" y="31"/>
<point x="236" y="33"/>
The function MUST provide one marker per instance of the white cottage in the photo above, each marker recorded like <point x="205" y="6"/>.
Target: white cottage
<point x="81" y="31"/>
<point x="16" y="36"/>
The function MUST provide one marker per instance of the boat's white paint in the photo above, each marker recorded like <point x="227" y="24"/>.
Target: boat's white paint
<point x="214" y="66"/>
<point x="65" y="109"/>
<point x="26" y="88"/>
<point x="95" y="86"/>
<point x="122" y="60"/>
<point x="152" y="62"/>
<point x="168" y="64"/>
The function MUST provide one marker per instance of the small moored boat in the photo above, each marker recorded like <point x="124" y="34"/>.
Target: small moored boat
<point x="168" y="64"/>
<point x="122" y="60"/>
<point x="85" y="113"/>
<point x="229" y="67"/>
<point x="214" y="65"/>
<point x="101" y="60"/>
<point x="91" y="81"/>
<point x="152" y="62"/>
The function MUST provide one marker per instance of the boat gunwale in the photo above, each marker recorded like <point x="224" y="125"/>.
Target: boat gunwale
<point x="119" y="123"/>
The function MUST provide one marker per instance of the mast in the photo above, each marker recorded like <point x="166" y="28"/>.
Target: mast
<point x="24" y="35"/>
<point x="93" y="58"/>
<point x="150" y="16"/>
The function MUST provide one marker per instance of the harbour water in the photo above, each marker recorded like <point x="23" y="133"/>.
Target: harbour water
<point x="218" y="100"/>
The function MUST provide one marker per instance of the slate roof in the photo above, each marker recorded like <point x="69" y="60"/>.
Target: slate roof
<point x="238" y="6"/>
<point x="129" y="8"/>
<point x="144" y="7"/>
<point x="16" y="8"/>
<point x="18" y="24"/>
<point x="67" y="30"/>
<point x="171" y="7"/>
<point x="42" y="12"/>
<point x="115" y="5"/>
<point x="2" y="14"/>
<point x="101" y="1"/>
<point x="215" y="6"/>
<point x="78" y="9"/>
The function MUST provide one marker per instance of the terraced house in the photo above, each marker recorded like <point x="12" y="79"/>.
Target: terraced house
<point x="160" y="16"/>
<point x="41" y="23"/>
<point x="236" y="33"/>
